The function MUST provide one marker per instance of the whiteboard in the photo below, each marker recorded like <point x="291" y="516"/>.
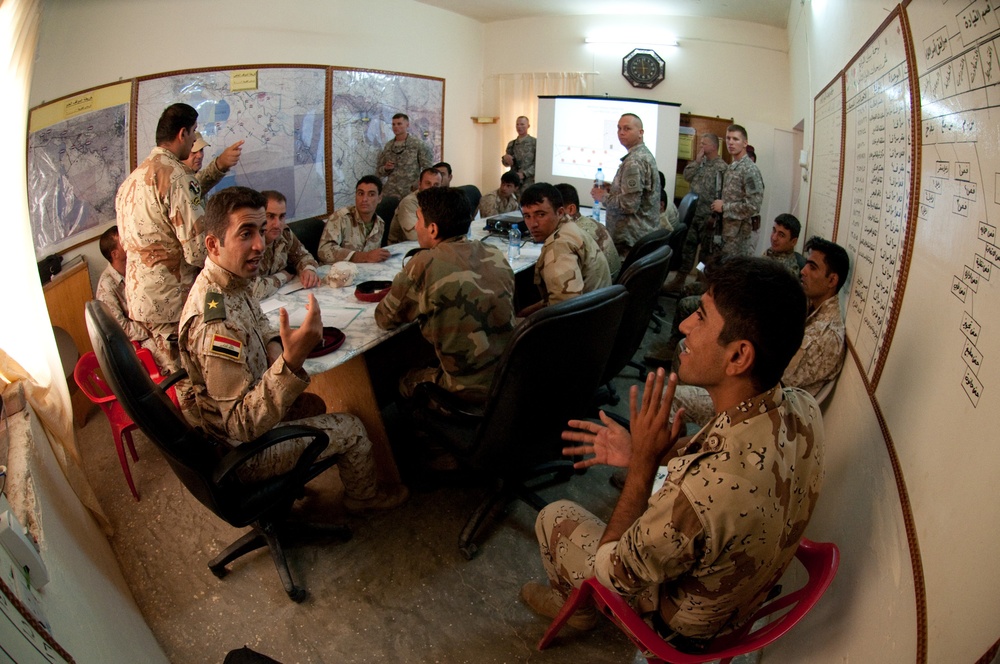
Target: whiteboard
<point x="827" y="160"/>
<point x="876" y="191"/>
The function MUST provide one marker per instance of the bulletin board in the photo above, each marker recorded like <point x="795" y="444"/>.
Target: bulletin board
<point x="876" y="191"/>
<point x="827" y="161"/>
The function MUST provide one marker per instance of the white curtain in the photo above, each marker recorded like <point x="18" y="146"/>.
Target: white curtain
<point x="27" y="344"/>
<point x="514" y="95"/>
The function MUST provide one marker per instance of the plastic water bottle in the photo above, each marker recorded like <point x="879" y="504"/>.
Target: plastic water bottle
<point x="513" y="243"/>
<point x="595" y="211"/>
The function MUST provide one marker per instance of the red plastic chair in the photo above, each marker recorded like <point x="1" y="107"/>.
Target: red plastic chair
<point x="820" y="559"/>
<point x="87" y="375"/>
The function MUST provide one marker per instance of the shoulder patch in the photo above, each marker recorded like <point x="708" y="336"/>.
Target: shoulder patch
<point x="215" y="307"/>
<point x="231" y="349"/>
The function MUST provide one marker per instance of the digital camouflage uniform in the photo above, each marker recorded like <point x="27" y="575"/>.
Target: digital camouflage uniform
<point x="461" y="294"/>
<point x="670" y="216"/>
<point x="111" y="291"/>
<point x="238" y="395"/>
<point x="719" y="533"/>
<point x="496" y="203"/>
<point x="285" y="253"/>
<point x="570" y="264"/>
<point x="159" y="209"/>
<point x="345" y="233"/>
<point x="705" y="178"/>
<point x="817" y="362"/>
<point x="633" y="203"/>
<point x="404" y="222"/>
<point x="786" y="259"/>
<point x="410" y="157"/>
<point x="601" y="236"/>
<point x="522" y="150"/>
<point x="742" y="195"/>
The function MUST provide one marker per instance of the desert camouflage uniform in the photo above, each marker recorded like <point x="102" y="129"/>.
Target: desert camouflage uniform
<point x="345" y="233"/>
<point x="523" y="152"/>
<point x="570" y="264"/>
<point x="286" y="251"/>
<point x="670" y="216"/>
<point x="209" y="176"/>
<point x="413" y="157"/>
<point x="159" y="209"/>
<point x="111" y="291"/>
<point x="786" y="259"/>
<point x="495" y="203"/>
<point x="461" y="293"/>
<point x="404" y="222"/>
<point x="705" y="178"/>
<point x="601" y="236"/>
<point x="238" y="395"/>
<point x="718" y="534"/>
<point x="817" y="362"/>
<point x="634" y="200"/>
<point x="742" y="195"/>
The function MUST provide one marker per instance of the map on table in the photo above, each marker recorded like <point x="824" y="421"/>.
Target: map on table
<point x="277" y="112"/>
<point x="77" y="158"/>
<point x="361" y="121"/>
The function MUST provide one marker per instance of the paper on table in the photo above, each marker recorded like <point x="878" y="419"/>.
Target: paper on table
<point x="271" y="304"/>
<point x="339" y="317"/>
<point x="292" y="286"/>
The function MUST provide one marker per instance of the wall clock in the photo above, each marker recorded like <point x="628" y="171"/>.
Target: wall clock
<point x="643" y="68"/>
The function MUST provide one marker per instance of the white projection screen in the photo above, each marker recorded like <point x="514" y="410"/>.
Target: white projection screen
<point x="576" y="135"/>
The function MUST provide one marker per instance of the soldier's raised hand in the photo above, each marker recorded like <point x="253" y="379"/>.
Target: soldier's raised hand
<point x="298" y="343"/>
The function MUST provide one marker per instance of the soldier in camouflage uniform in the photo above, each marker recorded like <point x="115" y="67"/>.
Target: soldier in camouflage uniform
<point x="633" y="197"/>
<point x="593" y="228"/>
<point x="404" y="222"/>
<point x="503" y="199"/>
<point x="519" y="156"/>
<point x="460" y="292"/>
<point x="284" y="255"/>
<point x="820" y="357"/>
<point x="210" y="176"/>
<point x="570" y="263"/>
<point x="742" y="195"/>
<point x="159" y="209"/>
<point x="111" y="286"/>
<point x="402" y="159"/>
<point x="784" y="237"/>
<point x="354" y="233"/>
<point x="245" y="375"/>
<point x="704" y="174"/>
<point x="697" y="557"/>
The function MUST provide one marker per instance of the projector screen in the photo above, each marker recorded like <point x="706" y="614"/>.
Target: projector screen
<point x="576" y="135"/>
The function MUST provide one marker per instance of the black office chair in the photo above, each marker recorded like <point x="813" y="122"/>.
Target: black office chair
<point x="207" y="470"/>
<point x="473" y="195"/>
<point x="387" y="210"/>
<point x="309" y="231"/>
<point x="642" y="281"/>
<point x="687" y="208"/>
<point x="548" y="374"/>
<point x="644" y="246"/>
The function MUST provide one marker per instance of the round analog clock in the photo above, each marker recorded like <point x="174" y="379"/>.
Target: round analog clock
<point x="643" y="68"/>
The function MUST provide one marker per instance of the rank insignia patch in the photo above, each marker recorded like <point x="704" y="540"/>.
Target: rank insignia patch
<point x="215" y="307"/>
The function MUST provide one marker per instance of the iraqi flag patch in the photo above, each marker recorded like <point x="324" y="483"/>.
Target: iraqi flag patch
<point x="231" y="349"/>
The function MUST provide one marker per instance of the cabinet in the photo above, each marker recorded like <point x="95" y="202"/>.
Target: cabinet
<point x="65" y="296"/>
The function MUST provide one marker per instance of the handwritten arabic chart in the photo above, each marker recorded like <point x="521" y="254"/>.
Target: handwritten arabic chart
<point x="875" y="202"/>
<point x="956" y="60"/>
<point x="828" y="146"/>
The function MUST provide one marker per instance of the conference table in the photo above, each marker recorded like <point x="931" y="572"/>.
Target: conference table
<point x="341" y="378"/>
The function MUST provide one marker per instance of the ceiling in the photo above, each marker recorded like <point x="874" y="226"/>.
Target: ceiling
<point x="766" y="12"/>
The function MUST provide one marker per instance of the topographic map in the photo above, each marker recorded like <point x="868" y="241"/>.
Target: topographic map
<point x="361" y="121"/>
<point x="280" y="119"/>
<point x="75" y="166"/>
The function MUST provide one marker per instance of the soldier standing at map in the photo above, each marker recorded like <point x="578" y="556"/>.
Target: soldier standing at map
<point x="159" y="209"/>
<point x="402" y="159"/>
<point x="520" y="155"/>
<point x="217" y="168"/>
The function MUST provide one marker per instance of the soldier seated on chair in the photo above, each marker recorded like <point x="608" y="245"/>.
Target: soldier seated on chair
<point x="698" y="555"/>
<point x="245" y="375"/>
